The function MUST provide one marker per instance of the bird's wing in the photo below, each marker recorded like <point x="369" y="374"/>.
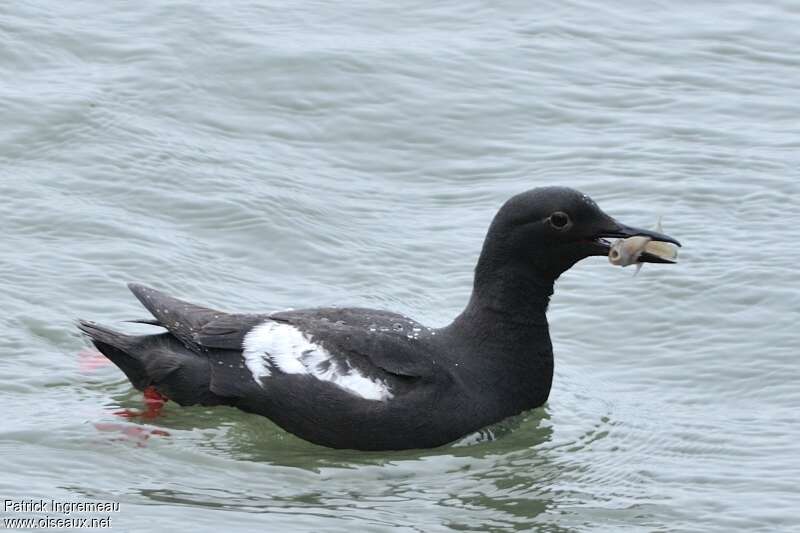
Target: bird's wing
<point x="387" y="340"/>
<point x="372" y="354"/>
<point x="373" y="365"/>
<point x="195" y="326"/>
<point x="227" y="332"/>
<point x="180" y="318"/>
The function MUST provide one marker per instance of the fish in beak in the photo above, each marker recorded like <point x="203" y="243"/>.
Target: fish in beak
<point x="635" y="245"/>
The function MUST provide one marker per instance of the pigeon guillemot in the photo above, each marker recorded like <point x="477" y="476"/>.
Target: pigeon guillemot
<point x="375" y="380"/>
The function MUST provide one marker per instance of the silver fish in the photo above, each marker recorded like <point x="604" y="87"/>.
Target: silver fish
<point x="626" y="252"/>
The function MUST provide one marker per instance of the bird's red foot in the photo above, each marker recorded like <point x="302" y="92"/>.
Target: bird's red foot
<point x="153" y="400"/>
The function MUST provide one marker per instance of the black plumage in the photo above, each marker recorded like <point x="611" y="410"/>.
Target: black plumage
<point x="493" y="361"/>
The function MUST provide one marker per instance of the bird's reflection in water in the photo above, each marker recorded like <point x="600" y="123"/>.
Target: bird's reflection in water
<point x="501" y="476"/>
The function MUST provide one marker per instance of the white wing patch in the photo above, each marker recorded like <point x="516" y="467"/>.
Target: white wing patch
<point x="276" y="346"/>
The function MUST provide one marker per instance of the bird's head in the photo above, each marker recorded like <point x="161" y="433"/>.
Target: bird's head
<point x="548" y="230"/>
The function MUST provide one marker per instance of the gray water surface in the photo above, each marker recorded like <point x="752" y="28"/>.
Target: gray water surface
<point x="259" y="156"/>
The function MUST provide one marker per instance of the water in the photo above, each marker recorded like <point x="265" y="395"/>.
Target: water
<point x="255" y="157"/>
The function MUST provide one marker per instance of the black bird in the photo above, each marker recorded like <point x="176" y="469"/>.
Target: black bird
<point x="375" y="380"/>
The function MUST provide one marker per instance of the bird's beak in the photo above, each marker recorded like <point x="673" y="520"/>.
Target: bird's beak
<point x="614" y="230"/>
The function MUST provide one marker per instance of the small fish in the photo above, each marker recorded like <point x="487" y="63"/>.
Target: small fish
<point x="626" y="252"/>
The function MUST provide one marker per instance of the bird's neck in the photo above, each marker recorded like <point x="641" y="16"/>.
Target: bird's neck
<point x="509" y="288"/>
<point x="505" y="325"/>
<point x="506" y="316"/>
<point x="508" y="300"/>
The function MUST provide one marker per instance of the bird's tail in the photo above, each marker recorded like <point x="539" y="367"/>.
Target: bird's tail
<point x="117" y="347"/>
<point x="159" y="361"/>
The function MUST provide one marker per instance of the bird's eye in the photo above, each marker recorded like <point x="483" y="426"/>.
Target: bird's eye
<point x="559" y="220"/>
